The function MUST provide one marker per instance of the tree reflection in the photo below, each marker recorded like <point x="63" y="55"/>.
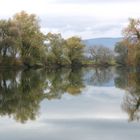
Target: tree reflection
<point x="20" y="94"/>
<point x="98" y="76"/>
<point x="132" y="99"/>
<point x="63" y="81"/>
<point x="22" y="91"/>
<point x="121" y="79"/>
<point x="130" y="81"/>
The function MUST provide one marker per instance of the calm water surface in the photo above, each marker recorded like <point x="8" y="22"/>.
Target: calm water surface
<point x="68" y="104"/>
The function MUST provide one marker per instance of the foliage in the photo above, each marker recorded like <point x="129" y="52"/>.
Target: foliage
<point x="75" y="50"/>
<point x="121" y="51"/>
<point x="21" y="38"/>
<point x="64" y="51"/>
<point x="9" y="41"/>
<point x="101" y="54"/>
<point x="56" y="53"/>
<point x="32" y="39"/>
<point x="129" y="48"/>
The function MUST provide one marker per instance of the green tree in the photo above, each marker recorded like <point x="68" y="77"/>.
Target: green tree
<point x="32" y="39"/>
<point x="9" y="41"/>
<point x="64" y="52"/>
<point x="56" y="51"/>
<point x="122" y="52"/>
<point x="75" y="50"/>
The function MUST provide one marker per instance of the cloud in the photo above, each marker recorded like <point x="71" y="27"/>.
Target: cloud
<point x="82" y="26"/>
<point x="92" y="1"/>
<point x="85" y="18"/>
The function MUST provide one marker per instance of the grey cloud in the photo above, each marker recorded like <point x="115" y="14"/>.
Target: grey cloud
<point x="92" y="1"/>
<point x="80" y="26"/>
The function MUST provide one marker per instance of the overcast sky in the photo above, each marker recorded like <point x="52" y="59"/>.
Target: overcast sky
<point x="85" y="18"/>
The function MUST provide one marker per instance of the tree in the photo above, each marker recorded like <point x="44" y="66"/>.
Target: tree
<point x="75" y="50"/>
<point x="56" y="52"/>
<point x="9" y="40"/>
<point x="122" y="52"/>
<point x="101" y="54"/>
<point x="64" y="52"/>
<point x="32" y="39"/>
<point x="132" y="42"/>
<point x="94" y="53"/>
<point x="21" y="37"/>
<point x="132" y="31"/>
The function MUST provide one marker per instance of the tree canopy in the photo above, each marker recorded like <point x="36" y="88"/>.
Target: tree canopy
<point x="129" y="48"/>
<point x="21" y="41"/>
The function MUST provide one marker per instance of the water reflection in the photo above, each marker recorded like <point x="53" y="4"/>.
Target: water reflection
<point x="130" y="81"/>
<point x="21" y="92"/>
<point x="98" y="76"/>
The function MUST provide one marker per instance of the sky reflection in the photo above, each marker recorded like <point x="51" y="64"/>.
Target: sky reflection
<point x="94" y="114"/>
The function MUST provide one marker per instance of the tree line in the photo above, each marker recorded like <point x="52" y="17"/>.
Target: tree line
<point x="23" y="44"/>
<point x="126" y="52"/>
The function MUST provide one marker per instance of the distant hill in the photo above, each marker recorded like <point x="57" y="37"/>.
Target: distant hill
<point x="108" y="42"/>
